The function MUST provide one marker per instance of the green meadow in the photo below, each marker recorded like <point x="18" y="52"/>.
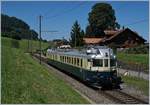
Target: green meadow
<point x="140" y="59"/>
<point x="25" y="81"/>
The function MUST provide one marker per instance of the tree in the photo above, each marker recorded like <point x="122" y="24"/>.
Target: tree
<point x="16" y="28"/>
<point x="94" y="32"/>
<point x="82" y="34"/>
<point x="34" y="34"/>
<point x="101" y="17"/>
<point x="76" y="35"/>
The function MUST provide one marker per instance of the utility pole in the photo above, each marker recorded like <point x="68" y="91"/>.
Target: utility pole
<point x="40" y="17"/>
<point x="31" y="42"/>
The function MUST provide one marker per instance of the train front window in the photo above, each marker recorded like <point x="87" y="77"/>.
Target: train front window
<point x="112" y="62"/>
<point x="97" y="62"/>
<point x="106" y="62"/>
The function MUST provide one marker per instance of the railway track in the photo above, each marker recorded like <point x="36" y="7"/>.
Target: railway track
<point x="121" y="97"/>
<point x="116" y="95"/>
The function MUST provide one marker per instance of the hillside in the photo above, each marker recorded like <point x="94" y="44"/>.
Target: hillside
<point x="16" y="28"/>
<point x="25" y="81"/>
<point x="23" y="44"/>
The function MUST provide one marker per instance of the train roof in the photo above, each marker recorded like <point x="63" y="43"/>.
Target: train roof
<point x="83" y="53"/>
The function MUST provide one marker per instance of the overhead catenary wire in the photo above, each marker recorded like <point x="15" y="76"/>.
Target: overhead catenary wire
<point x="102" y="17"/>
<point x="136" y="22"/>
<point x="65" y="11"/>
<point x="69" y="10"/>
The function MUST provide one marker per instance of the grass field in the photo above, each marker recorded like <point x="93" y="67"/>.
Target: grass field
<point x="142" y="59"/>
<point x="25" y="81"/>
<point x="24" y="44"/>
<point x="141" y="84"/>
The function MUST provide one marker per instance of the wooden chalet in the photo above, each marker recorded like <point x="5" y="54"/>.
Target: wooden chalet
<point x="125" y="38"/>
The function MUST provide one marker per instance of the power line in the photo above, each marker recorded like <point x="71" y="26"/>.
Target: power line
<point x="48" y="12"/>
<point x="49" y="31"/>
<point x="66" y="11"/>
<point x="136" y="22"/>
<point x="102" y="17"/>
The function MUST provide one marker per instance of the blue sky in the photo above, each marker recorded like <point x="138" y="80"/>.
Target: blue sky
<point x="60" y="15"/>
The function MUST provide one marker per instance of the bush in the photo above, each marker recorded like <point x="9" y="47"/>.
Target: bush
<point x="5" y="34"/>
<point x="138" y="50"/>
<point x="17" y="37"/>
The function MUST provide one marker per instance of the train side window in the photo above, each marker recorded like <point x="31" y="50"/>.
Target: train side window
<point x="70" y="60"/>
<point x="98" y="62"/>
<point x="74" y="61"/>
<point x="81" y="62"/>
<point x="63" y="58"/>
<point x="78" y="62"/>
<point x="67" y="59"/>
<point x="106" y="62"/>
<point x="89" y="60"/>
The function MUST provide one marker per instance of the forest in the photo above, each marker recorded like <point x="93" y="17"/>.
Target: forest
<point x="15" y="28"/>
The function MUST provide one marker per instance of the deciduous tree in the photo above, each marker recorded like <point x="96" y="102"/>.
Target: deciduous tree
<point x="101" y="17"/>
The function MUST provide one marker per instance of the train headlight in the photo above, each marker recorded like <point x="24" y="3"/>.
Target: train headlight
<point x="114" y="56"/>
<point x="113" y="69"/>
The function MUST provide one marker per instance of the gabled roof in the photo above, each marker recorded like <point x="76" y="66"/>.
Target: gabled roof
<point x="127" y="29"/>
<point x="92" y="40"/>
<point x="111" y="32"/>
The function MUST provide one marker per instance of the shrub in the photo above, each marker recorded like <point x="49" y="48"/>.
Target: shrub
<point x="138" y="50"/>
<point x="17" y="37"/>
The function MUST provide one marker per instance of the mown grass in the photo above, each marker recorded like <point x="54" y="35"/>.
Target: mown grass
<point x="141" y="84"/>
<point x="142" y="59"/>
<point x="24" y="81"/>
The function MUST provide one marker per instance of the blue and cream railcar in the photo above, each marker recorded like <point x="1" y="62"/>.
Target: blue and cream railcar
<point x="96" y="66"/>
